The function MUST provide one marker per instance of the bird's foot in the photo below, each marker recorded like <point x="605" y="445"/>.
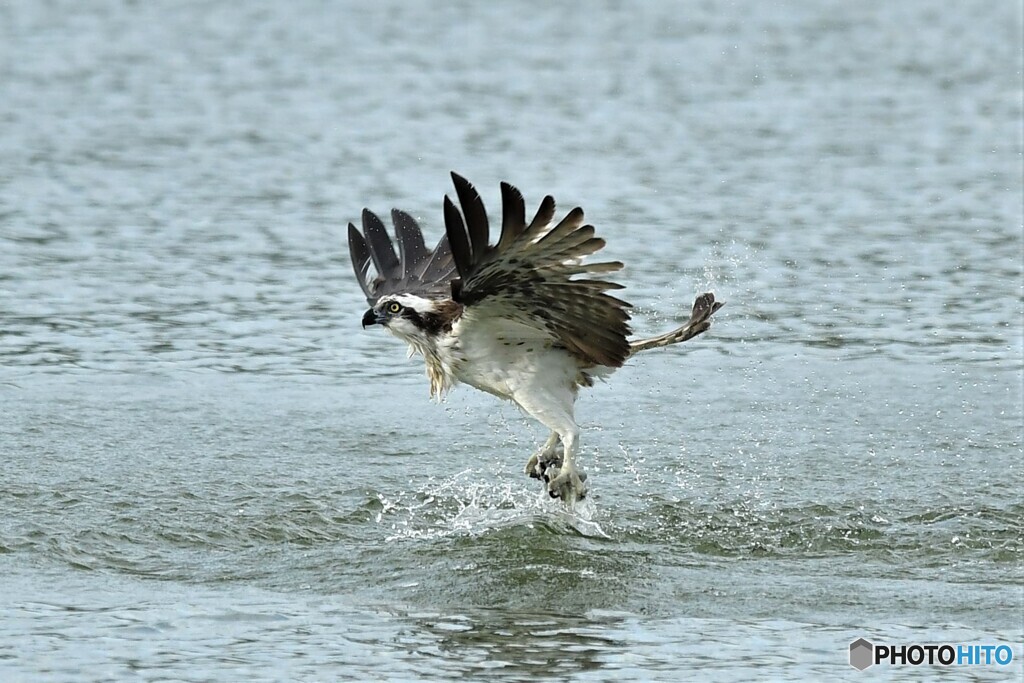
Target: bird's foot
<point x="567" y="483"/>
<point x="541" y="462"/>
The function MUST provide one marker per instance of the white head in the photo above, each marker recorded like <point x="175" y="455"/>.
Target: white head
<point x="414" y="319"/>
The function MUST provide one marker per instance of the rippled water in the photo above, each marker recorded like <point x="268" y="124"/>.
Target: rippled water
<point x="210" y="472"/>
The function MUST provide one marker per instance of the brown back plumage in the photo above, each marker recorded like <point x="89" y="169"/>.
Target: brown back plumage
<point x="529" y="274"/>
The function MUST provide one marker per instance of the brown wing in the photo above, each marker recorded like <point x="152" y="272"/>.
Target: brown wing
<point x="530" y="274"/>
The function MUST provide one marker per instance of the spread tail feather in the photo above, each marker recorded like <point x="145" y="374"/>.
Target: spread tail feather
<point x="700" y="320"/>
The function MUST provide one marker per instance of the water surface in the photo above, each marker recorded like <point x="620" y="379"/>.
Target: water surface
<point x="210" y="472"/>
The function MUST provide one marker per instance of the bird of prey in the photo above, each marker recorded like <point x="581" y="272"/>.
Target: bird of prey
<point x="524" y="319"/>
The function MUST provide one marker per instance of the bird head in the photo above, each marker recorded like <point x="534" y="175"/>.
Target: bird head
<point x="412" y="318"/>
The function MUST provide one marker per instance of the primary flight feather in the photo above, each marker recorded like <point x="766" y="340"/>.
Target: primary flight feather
<point x="527" y="319"/>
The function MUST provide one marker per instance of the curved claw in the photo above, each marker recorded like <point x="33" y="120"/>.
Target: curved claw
<point x="540" y="465"/>
<point x="568" y="485"/>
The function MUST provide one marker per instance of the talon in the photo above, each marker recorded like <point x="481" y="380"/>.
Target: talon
<point x="531" y="466"/>
<point x="567" y="484"/>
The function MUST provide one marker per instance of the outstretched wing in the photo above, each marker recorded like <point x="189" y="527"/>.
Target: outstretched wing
<point x="412" y="269"/>
<point x="528" y="275"/>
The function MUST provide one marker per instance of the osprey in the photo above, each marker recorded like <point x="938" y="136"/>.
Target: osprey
<point x="522" y="319"/>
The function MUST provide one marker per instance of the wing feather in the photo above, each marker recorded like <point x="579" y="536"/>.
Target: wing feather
<point x="565" y="229"/>
<point x="411" y="248"/>
<point x="475" y="214"/>
<point x="545" y="214"/>
<point x="536" y="275"/>
<point x="513" y="219"/>
<point x="458" y="238"/>
<point x="412" y="269"/>
<point x="381" y="250"/>
<point x="440" y="265"/>
<point x="529" y="275"/>
<point x="360" y="254"/>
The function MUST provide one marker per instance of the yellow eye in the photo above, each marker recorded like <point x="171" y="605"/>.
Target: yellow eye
<point x="394" y="307"/>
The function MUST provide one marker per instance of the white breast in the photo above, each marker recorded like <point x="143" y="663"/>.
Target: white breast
<point x="503" y="357"/>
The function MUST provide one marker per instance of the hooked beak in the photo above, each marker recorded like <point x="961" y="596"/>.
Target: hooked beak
<point x="371" y="318"/>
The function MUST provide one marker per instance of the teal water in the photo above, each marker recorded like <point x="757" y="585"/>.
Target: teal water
<point x="210" y="472"/>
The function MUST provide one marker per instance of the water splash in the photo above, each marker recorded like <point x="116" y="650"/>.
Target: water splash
<point x="470" y="504"/>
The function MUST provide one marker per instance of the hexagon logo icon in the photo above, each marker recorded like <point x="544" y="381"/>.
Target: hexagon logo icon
<point x="861" y="654"/>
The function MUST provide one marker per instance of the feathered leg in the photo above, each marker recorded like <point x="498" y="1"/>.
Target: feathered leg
<point x="567" y="483"/>
<point x="553" y="407"/>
